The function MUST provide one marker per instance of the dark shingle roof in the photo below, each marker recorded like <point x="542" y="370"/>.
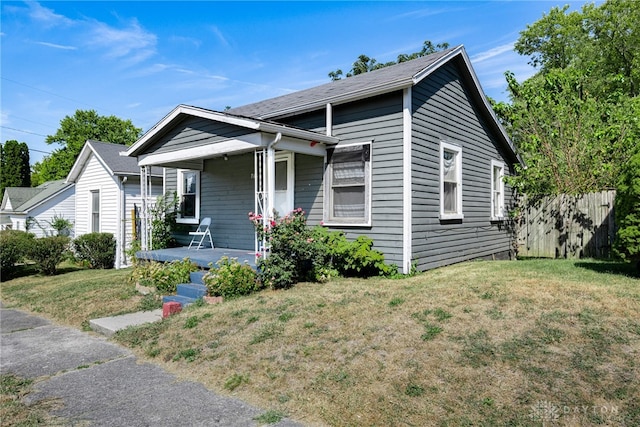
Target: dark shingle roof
<point x="25" y="198"/>
<point x="110" y="154"/>
<point x="18" y="195"/>
<point x="46" y="190"/>
<point x="348" y="88"/>
<point x="119" y="165"/>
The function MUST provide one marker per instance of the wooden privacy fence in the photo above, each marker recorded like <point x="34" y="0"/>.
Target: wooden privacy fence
<point x="567" y="226"/>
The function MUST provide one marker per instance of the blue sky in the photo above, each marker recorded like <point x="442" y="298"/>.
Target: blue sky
<point x="138" y="60"/>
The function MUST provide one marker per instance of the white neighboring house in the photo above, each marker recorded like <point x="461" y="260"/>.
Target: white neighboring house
<point x="107" y="191"/>
<point x="34" y="209"/>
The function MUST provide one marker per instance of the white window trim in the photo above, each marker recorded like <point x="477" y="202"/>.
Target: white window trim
<point x="90" y="227"/>
<point x="458" y="150"/>
<point x="338" y="222"/>
<point x="180" y="188"/>
<point x="499" y="164"/>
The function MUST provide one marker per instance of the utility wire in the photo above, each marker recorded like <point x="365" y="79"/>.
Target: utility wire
<point x="23" y="131"/>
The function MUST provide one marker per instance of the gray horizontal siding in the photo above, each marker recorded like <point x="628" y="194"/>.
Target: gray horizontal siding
<point x="227" y="196"/>
<point x="378" y="119"/>
<point x="194" y="132"/>
<point x="315" y="121"/>
<point x="308" y="186"/>
<point x="443" y="111"/>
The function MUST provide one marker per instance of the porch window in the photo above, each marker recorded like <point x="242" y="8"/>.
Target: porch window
<point x="189" y="196"/>
<point x="450" y="181"/>
<point x="348" y="185"/>
<point x="95" y="211"/>
<point x="497" y="190"/>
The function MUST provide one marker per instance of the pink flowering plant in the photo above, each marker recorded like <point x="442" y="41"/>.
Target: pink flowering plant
<point x="293" y="254"/>
<point x="300" y="253"/>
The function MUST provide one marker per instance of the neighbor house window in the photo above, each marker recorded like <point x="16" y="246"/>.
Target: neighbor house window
<point x="348" y="185"/>
<point x="189" y="196"/>
<point x="497" y="190"/>
<point x="95" y="211"/>
<point x="450" y="181"/>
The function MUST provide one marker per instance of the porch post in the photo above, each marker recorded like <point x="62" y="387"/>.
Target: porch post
<point x="145" y="234"/>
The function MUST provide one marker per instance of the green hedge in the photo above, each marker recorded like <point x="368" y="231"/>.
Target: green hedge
<point x="98" y="250"/>
<point x="13" y="249"/>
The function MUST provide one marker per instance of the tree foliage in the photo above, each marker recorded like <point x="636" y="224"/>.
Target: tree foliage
<point x="364" y="64"/>
<point x="627" y="211"/>
<point x="74" y="131"/>
<point x="14" y="165"/>
<point x="577" y="120"/>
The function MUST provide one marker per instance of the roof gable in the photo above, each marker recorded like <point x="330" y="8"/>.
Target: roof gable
<point x="252" y="125"/>
<point x="108" y="155"/>
<point x="23" y="199"/>
<point x="14" y="197"/>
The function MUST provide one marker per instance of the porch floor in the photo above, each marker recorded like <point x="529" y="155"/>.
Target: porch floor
<point x="202" y="257"/>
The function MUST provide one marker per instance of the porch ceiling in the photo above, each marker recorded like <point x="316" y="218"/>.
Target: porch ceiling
<point x="241" y="144"/>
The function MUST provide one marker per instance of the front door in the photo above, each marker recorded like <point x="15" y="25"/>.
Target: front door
<point x="283" y="202"/>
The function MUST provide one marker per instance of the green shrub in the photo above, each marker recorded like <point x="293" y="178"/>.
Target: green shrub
<point x="627" y="211"/>
<point x="355" y="258"/>
<point x="48" y="252"/>
<point x="97" y="249"/>
<point x="163" y="221"/>
<point x="13" y="248"/>
<point x="298" y="253"/>
<point x="293" y="253"/>
<point x="231" y="279"/>
<point x="163" y="276"/>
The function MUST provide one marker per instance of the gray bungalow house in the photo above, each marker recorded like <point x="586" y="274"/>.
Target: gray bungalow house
<point x="410" y="155"/>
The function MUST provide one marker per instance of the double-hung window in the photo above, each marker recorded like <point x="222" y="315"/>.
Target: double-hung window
<point x="189" y="196"/>
<point x="95" y="211"/>
<point x="348" y="185"/>
<point x="497" y="190"/>
<point x="450" y="181"/>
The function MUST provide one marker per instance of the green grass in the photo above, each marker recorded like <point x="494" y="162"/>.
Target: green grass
<point x="478" y="343"/>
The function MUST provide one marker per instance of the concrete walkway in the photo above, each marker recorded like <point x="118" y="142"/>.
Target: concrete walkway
<point x="102" y="384"/>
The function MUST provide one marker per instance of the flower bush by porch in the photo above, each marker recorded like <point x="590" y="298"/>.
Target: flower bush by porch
<point x="299" y="253"/>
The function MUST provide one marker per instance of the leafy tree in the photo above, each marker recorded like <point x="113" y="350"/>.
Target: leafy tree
<point x="576" y="121"/>
<point x="627" y="211"/>
<point x="74" y="131"/>
<point x="364" y="64"/>
<point x="14" y="165"/>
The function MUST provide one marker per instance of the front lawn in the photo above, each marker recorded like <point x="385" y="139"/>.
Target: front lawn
<point x="482" y="343"/>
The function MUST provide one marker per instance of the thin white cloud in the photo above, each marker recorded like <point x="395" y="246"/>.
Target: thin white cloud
<point x="132" y="43"/>
<point x="422" y="13"/>
<point x="223" y="40"/>
<point x="46" y="16"/>
<point x="491" y="53"/>
<point x="186" y="40"/>
<point x="57" y="46"/>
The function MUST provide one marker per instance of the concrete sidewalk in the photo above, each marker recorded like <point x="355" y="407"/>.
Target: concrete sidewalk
<point x="102" y="384"/>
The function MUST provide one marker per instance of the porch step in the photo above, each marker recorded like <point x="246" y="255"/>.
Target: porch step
<point x="184" y="301"/>
<point x="196" y="276"/>
<point x="192" y="290"/>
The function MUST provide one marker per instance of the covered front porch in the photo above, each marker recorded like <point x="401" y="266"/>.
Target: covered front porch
<point x="203" y="258"/>
<point x="223" y="167"/>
